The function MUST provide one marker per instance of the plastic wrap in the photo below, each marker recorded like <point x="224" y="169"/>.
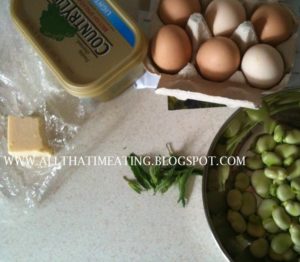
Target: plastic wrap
<point x="26" y="88"/>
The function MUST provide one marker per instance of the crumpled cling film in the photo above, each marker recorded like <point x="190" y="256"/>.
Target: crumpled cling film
<point x="188" y="84"/>
<point x="27" y="87"/>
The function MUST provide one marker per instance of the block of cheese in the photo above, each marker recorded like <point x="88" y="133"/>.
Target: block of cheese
<point x="26" y="137"/>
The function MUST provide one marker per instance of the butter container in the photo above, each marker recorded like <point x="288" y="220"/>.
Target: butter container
<point x="92" y="46"/>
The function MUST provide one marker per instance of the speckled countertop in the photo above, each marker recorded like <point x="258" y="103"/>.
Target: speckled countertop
<point x="94" y="216"/>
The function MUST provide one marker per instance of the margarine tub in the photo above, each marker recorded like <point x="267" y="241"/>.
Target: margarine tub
<point x="92" y="46"/>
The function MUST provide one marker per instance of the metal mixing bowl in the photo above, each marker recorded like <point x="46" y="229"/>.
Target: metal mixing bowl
<point x="217" y="180"/>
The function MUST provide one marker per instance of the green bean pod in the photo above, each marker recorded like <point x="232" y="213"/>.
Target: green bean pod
<point x="242" y="181"/>
<point x="261" y="183"/>
<point x="279" y="133"/>
<point x="292" y="137"/>
<point x="286" y="150"/>
<point x="236" y="221"/>
<point x="266" y="208"/>
<point x="249" y="204"/>
<point x="254" y="162"/>
<point x="270" y="226"/>
<point x="294" y="170"/>
<point x="281" y="243"/>
<point x="281" y="218"/>
<point x="234" y="199"/>
<point x="271" y="159"/>
<point x="276" y="173"/>
<point x="223" y="175"/>
<point x="233" y="128"/>
<point x="292" y="208"/>
<point x="259" y="248"/>
<point x="265" y="143"/>
<point x="295" y="234"/>
<point x="284" y="192"/>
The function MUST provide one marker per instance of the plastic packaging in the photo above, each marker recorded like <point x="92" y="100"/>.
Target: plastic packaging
<point x="27" y="87"/>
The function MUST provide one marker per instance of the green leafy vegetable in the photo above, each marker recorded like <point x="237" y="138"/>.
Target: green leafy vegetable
<point x="160" y="178"/>
<point x="142" y="177"/>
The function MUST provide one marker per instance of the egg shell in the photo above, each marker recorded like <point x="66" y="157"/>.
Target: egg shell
<point x="171" y="49"/>
<point x="224" y="16"/>
<point x="218" y="58"/>
<point x="263" y="66"/>
<point x="178" y="11"/>
<point x="273" y="23"/>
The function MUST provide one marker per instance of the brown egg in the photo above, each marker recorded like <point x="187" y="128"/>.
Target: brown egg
<point x="178" y="11"/>
<point x="218" y="58"/>
<point x="273" y="23"/>
<point x="171" y="49"/>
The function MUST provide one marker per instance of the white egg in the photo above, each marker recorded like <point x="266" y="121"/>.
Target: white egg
<point x="224" y="16"/>
<point x="263" y="66"/>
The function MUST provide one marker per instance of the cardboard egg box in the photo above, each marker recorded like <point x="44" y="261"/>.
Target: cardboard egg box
<point x="189" y="84"/>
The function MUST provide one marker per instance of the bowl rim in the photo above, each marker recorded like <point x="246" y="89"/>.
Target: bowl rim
<point x="204" y="185"/>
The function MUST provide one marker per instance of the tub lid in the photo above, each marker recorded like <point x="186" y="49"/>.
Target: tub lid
<point x="87" y="43"/>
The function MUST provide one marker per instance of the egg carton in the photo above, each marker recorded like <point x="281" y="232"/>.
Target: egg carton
<point x="189" y="84"/>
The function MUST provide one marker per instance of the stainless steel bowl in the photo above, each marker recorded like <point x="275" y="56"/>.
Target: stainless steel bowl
<point x="217" y="180"/>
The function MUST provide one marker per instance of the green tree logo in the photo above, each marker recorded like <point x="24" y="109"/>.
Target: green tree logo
<point x="54" y="25"/>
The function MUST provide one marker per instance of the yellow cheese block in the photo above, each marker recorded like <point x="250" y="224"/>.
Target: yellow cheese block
<point x="26" y="137"/>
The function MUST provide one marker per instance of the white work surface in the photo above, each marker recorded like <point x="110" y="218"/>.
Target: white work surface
<point x="95" y="216"/>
